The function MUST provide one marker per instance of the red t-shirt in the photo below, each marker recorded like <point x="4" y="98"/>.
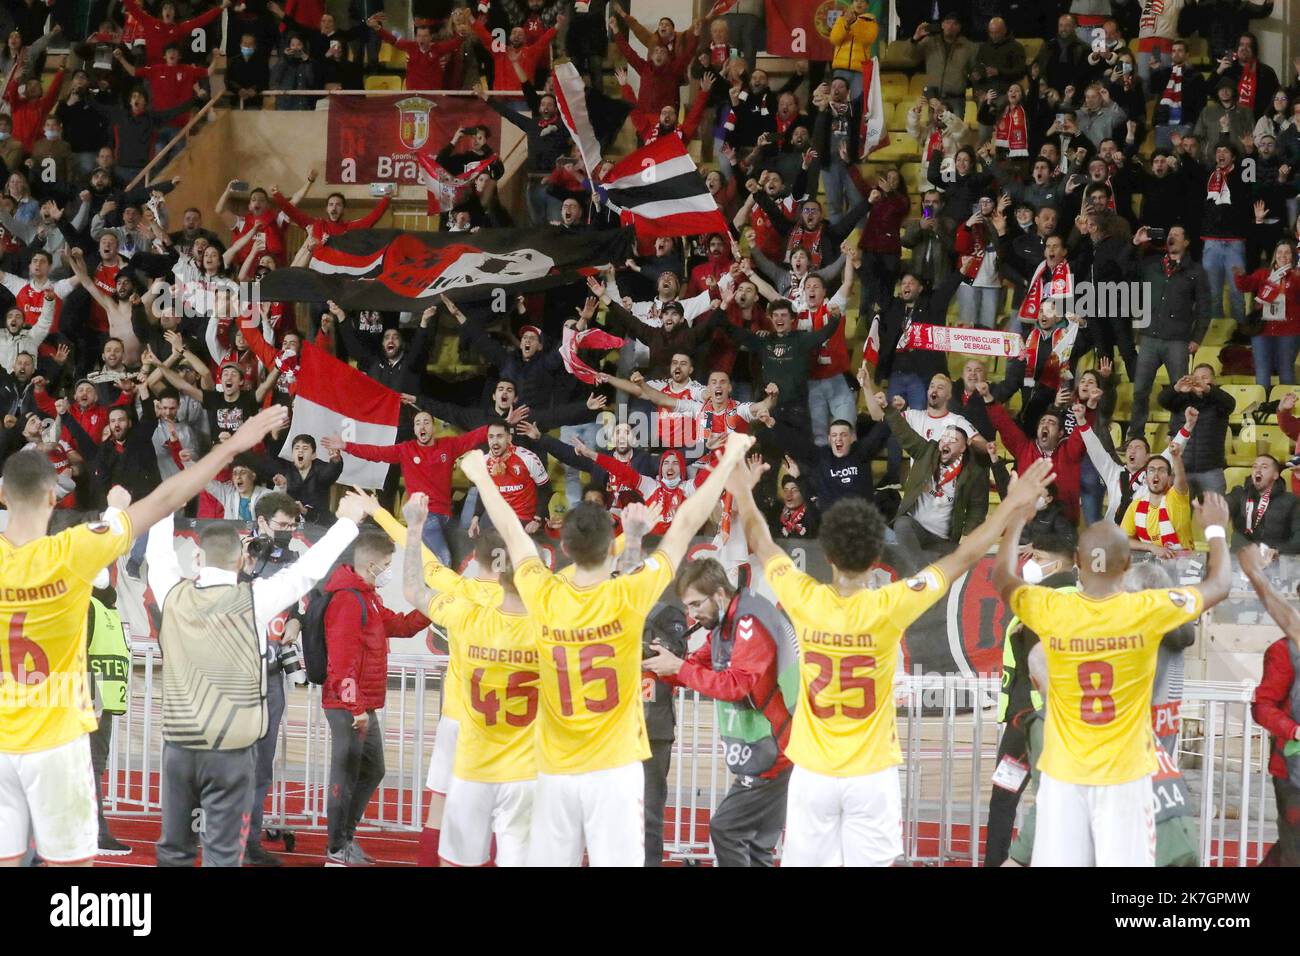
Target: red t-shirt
<point x="171" y="86"/>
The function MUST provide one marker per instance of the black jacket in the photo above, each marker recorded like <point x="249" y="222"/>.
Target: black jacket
<point x="1280" y="527"/>
<point x="1179" y="303"/>
<point x="929" y="309"/>
<point x="313" y="492"/>
<point x="403" y="375"/>
<point x="833" y="479"/>
<point x="537" y="380"/>
<point x="133" y="465"/>
<point x="1204" y="451"/>
<point x="1196" y="92"/>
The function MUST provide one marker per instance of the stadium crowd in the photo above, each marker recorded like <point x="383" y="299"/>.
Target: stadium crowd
<point x="1144" y="146"/>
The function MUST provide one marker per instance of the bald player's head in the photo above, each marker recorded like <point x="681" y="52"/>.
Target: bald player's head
<point x="1103" y="554"/>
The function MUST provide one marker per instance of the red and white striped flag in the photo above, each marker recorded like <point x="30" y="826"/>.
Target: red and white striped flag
<point x="874" y="133"/>
<point x="571" y="100"/>
<point x="445" y="190"/>
<point x="658" y="190"/>
<point x="333" y="398"/>
<point x="871" y="347"/>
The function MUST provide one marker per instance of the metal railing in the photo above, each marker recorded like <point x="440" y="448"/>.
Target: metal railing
<point x="947" y="733"/>
<point x="179" y="139"/>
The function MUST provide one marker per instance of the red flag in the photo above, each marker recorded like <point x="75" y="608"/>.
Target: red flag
<point x="800" y="28"/>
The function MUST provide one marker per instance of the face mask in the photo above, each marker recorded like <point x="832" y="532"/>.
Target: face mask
<point x="384" y="578"/>
<point x="1032" y="572"/>
<point x="246" y="50"/>
<point x="282" y="539"/>
<point x="51" y="134"/>
<point x="1041" y="503"/>
<point x="102" y="580"/>
<point x="3" y="136"/>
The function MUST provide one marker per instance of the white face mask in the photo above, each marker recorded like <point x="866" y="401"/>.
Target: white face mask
<point x="51" y="134"/>
<point x="1032" y="572"/>
<point x="384" y="578"/>
<point x="102" y="580"/>
<point x="1041" y="503"/>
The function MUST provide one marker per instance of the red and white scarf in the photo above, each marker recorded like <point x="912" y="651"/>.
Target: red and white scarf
<point x="970" y="264"/>
<point x="1061" y="284"/>
<point x="1168" y="536"/>
<point x="1255" y="511"/>
<point x="1172" y="97"/>
<point x="1247" y="86"/>
<point x="810" y="240"/>
<point x="792" y="521"/>
<point x="1217" y="188"/>
<point x="1011" y="132"/>
<point x="586" y="339"/>
<point x="1061" y="343"/>
<point x="948" y="475"/>
<point x="1272" y="293"/>
<point x="932" y="145"/>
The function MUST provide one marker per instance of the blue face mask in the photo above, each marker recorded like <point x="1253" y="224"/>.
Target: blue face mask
<point x="51" y="134"/>
<point x="246" y="50"/>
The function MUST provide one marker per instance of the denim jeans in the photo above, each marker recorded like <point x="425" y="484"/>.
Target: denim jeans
<point x="978" y="305"/>
<point x="1091" y="492"/>
<point x="435" y="538"/>
<point x="467" y="509"/>
<point x="912" y="387"/>
<point x="590" y="435"/>
<point x="841" y="194"/>
<point x="542" y="206"/>
<point x="1173" y="355"/>
<point x="1274" y="355"/>
<point x="1217" y="259"/>
<point x="830" y="399"/>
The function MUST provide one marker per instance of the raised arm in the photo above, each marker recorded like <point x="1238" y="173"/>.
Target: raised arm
<point x="695" y="510"/>
<point x="1284" y="614"/>
<point x="504" y="519"/>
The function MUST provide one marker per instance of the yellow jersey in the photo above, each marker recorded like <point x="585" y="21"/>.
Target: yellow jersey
<point x="1178" y="507"/>
<point x="589" y="645"/>
<point x="496" y="654"/>
<point x="44" y="601"/>
<point x="1101" y="662"/>
<point x="446" y="581"/>
<point x="844" y="722"/>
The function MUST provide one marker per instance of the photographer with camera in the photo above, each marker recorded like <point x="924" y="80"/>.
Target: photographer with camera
<point x="215" y="686"/>
<point x="749" y="666"/>
<point x="265" y="553"/>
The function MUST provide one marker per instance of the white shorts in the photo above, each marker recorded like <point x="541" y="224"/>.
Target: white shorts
<point x="49" y="794"/>
<point x="1080" y="825"/>
<point x="602" y="811"/>
<point x="477" y="811"/>
<point x="444" y="756"/>
<point x="843" y="821"/>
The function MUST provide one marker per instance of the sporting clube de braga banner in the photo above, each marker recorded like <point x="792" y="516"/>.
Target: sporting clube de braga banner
<point x="377" y="139"/>
<point x="961" y="634"/>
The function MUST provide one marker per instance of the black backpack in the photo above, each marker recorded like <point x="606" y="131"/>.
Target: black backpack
<point x="315" y="652"/>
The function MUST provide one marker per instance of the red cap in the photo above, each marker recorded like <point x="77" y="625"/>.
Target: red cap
<point x="530" y="328"/>
<point x="230" y="363"/>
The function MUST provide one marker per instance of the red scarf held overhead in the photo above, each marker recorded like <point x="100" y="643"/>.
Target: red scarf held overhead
<point x="970" y="264"/>
<point x="1061" y="283"/>
<point x="1011" y="132"/>
<point x="1247" y="85"/>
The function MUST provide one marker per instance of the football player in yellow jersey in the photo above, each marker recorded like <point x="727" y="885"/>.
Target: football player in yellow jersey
<point x="485" y="589"/>
<point x="46" y="784"/>
<point x="843" y="807"/>
<point x="1094" y="794"/>
<point x="591" y="737"/>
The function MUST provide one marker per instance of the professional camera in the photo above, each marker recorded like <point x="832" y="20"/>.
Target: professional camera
<point x="288" y="660"/>
<point x="263" y="550"/>
<point x="665" y="625"/>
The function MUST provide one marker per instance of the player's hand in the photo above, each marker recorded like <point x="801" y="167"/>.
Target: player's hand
<point x="1025" y="489"/>
<point x="416" y="511"/>
<point x="1212" y="509"/>
<point x="639" y="518"/>
<point x="353" y="507"/>
<point x="664" y="664"/>
<point x="251" y="433"/>
<point x="474" y="465"/>
<point x="119" y="498"/>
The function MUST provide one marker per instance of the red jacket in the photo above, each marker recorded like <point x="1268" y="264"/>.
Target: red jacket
<point x="424" y="70"/>
<point x="883" y="227"/>
<point x="357" y="676"/>
<point x="1272" y="707"/>
<point x="1252" y="282"/>
<point x="29" y="115"/>
<point x="751" y="674"/>
<point x="319" y="228"/>
<point x="659" y="85"/>
<point x="504" y="79"/>
<point x="171" y="86"/>
<point x="158" y="35"/>
<point x="1065" y="459"/>
<point x="426" y="468"/>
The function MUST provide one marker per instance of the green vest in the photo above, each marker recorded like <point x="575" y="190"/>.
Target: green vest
<point x="1009" y="667"/>
<point x="110" y="657"/>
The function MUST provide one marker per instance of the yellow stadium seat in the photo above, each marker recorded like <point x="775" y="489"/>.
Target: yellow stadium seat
<point x="893" y="86"/>
<point x="1032" y="47"/>
<point x="1271" y="440"/>
<point x="1279" y="391"/>
<point x="897" y="55"/>
<point x="1116" y="435"/>
<point x="971" y="116"/>
<point x="1238" y="453"/>
<point x="1157" y="435"/>
<point x="1198" y="50"/>
<point x="1210" y="355"/>
<point x="1236" y="477"/>
<point x="1246" y="395"/>
<point x="383" y="82"/>
<point x="916" y="86"/>
<point x="897" y="118"/>
<point x="901" y="148"/>
<point x="398" y="60"/>
<point x="1219" y="332"/>
<point x="386" y="51"/>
